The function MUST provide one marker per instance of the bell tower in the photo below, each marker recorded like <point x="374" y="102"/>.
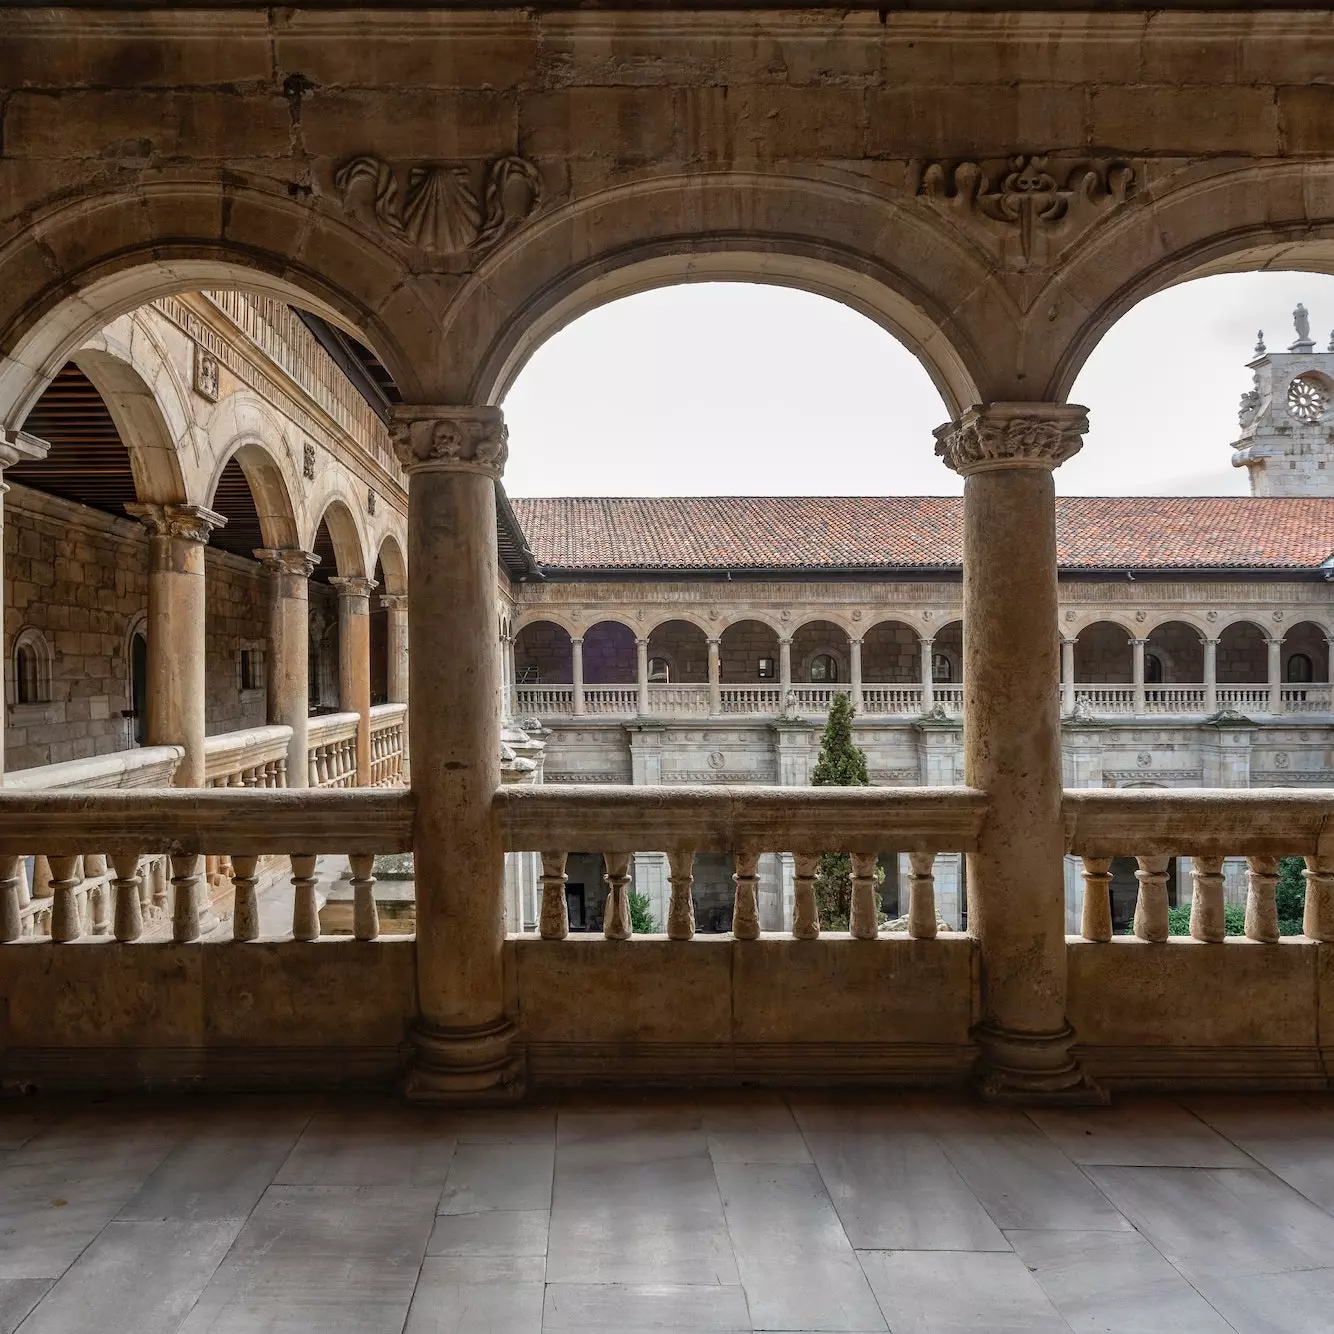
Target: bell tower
<point x="1287" y="418"/>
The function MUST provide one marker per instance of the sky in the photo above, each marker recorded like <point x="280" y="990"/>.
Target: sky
<point x="743" y="389"/>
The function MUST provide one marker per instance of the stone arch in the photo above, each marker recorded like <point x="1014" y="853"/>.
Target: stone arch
<point x="219" y="229"/>
<point x="610" y="656"/>
<point x="812" y="640"/>
<point x="1103" y="654"/>
<point x="1243" y="652"/>
<point x="390" y="559"/>
<point x="270" y="489"/>
<point x="522" y="620"/>
<point x="709" y="629"/>
<point x="947" y="648"/>
<point x="892" y="653"/>
<point x="768" y="618"/>
<point x="345" y="532"/>
<point x="833" y="616"/>
<point x="680" y="643"/>
<point x="1306" y="639"/>
<point x="583" y="624"/>
<point x="748" y="646"/>
<point x="543" y="654"/>
<point x="835" y="239"/>
<point x="1177" y="647"/>
<point x="1273" y="215"/>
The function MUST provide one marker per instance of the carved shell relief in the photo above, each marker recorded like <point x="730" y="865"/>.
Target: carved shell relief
<point x="1030" y="205"/>
<point x="444" y="209"/>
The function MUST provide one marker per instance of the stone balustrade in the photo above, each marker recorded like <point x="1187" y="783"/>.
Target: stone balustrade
<point x="146" y="766"/>
<point x="389" y="723"/>
<point x="255" y="757"/>
<point x="332" y="741"/>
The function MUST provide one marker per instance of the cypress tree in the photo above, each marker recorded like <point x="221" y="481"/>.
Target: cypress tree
<point x="841" y="764"/>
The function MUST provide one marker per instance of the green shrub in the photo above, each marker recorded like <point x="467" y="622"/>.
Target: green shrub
<point x="841" y="764"/>
<point x="642" y="921"/>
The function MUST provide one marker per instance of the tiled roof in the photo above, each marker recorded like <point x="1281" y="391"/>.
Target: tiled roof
<point x="847" y="532"/>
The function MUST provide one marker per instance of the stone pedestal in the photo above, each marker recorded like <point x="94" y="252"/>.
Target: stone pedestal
<point x="354" y="662"/>
<point x="1012" y="748"/>
<point x="177" y="535"/>
<point x="289" y="652"/>
<point x="464" y="1040"/>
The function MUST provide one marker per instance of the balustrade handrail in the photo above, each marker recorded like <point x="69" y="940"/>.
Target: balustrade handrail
<point x="386" y="714"/>
<point x="724" y="819"/>
<point x="326" y="727"/>
<point x="227" y="752"/>
<point x="181" y="821"/>
<point x="1200" y="822"/>
<point x="144" y="766"/>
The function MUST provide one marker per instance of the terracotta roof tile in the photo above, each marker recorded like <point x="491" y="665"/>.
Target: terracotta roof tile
<point x="814" y="532"/>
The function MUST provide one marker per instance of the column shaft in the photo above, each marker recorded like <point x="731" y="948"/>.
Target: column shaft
<point x="288" y="668"/>
<point x="784" y="669"/>
<point x="396" y="607"/>
<point x="1276" y="675"/>
<point x="1067" y="676"/>
<point x="1211" y="676"/>
<point x="641" y="669"/>
<point x="1137" y="673"/>
<point x="928" y="675"/>
<point x="715" y="678"/>
<point x="855" y="672"/>
<point x="577" y="673"/>
<point x="354" y="662"/>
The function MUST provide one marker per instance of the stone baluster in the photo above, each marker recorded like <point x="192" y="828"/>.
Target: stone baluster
<point x="129" y="911"/>
<point x="365" y="915"/>
<point x="1096" y="921"/>
<point x="1318" y="916"/>
<point x="245" y="904"/>
<point x="805" y="910"/>
<point x="553" y="921"/>
<point x="65" y="880"/>
<point x="616" y="923"/>
<point x="280" y="771"/>
<point x="305" y="914"/>
<point x="922" y="896"/>
<point x="146" y="868"/>
<point x="313" y="776"/>
<point x="160" y="895"/>
<point x="185" y="898"/>
<point x="1275" y="645"/>
<point x="1261" y="904"/>
<point x="746" y="905"/>
<point x="1210" y="676"/>
<point x="24" y="890"/>
<point x="1207" y="922"/>
<point x="681" y="909"/>
<point x="99" y="907"/>
<point x="864" y="917"/>
<point x="11" y="880"/>
<point x="1151" y="908"/>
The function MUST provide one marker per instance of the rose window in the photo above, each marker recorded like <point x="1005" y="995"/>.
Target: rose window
<point x="1307" y="399"/>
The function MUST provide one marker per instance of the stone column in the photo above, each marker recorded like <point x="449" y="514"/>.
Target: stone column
<point x="641" y="667"/>
<point x="396" y="605"/>
<point x="177" y="535"/>
<point x="288" y="702"/>
<point x="855" y="673"/>
<point x="15" y="447"/>
<point x="1006" y="453"/>
<point x="1067" y="675"/>
<point x="784" y="670"/>
<point x="1210" y="676"/>
<point x="464" y="1041"/>
<point x="1137" y="673"/>
<point x="715" y="678"/>
<point x="354" y="662"/>
<point x="928" y="676"/>
<point x="577" y="673"/>
<point x="1276" y="674"/>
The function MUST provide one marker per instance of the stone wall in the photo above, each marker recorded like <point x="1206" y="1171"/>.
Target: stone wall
<point x="891" y="652"/>
<point x="542" y="655"/>
<point x="236" y="618"/>
<point x="609" y="655"/>
<point x="684" y="648"/>
<point x="742" y="647"/>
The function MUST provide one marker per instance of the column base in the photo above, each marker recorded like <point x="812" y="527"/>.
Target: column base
<point x="471" y="1067"/>
<point x="1016" y="1067"/>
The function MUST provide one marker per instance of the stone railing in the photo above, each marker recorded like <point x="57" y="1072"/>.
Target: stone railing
<point x="255" y="757"/>
<point x="185" y="828"/>
<point x="679" y="701"/>
<point x="145" y="766"/>
<point x="388" y="732"/>
<point x="618" y="701"/>
<point x="556" y="701"/>
<point x="743" y="821"/>
<point x="761" y="700"/>
<point x="333" y="750"/>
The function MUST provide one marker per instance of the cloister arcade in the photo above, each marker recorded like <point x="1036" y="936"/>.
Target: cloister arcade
<point x="581" y="179"/>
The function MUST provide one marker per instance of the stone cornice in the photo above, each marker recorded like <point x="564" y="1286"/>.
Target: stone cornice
<point x="187" y="523"/>
<point x="990" y="436"/>
<point x="442" y="438"/>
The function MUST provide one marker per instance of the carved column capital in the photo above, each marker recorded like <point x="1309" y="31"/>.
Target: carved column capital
<point x="188" y="523"/>
<point x="394" y="601"/>
<point x="281" y="561"/>
<point x="354" y="586"/>
<point x="450" y="439"/>
<point x="1012" y="435"/>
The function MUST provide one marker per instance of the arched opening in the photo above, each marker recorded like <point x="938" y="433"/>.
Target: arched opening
<point x="543" y="656"/>
<point x="1243" y="655"/>
<point x="947" y="656"/>
<point x="1306" y="655"/>
<point x="678" y="654"/>
<point x="338" y="547"/>
<point x="748" y="654"/>
<point x="139" y="684"/>
<point x="892" y="654"/>
<point x="609" y="655"/>
<point x="1103" y="655"/>
<point x="1174" y="655"/>
<point x="820" y="654"/>
<point x="379" y="639"/>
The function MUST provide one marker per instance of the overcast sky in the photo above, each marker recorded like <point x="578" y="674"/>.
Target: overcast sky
<point x="739" y="389"/>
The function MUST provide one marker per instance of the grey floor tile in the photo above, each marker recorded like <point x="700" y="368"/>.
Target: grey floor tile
<point x="901" y="1192"/>
<point x="1297" y="1303"/>
<point x="1221" y="1222"/>
<point x="935" y="1292"/>
<point x="135" y="1278"/>
<point x="502" y="1125"/>
<point x="17" y="1297"/>
<point x="491" y="1235"/>
<point x="633" y="1307"/>
<point x="370" y="1145"/>
<point x="1138" y="1132"/>
<point x="836" y="1113"/>
<point x="752" y="1127"/>
<point x="1114" y="1283"/>
<point x="443" y="1305"/>
<point x="488" y="1268"/>
<point x="499" y="1176"/>
<point x="795" y="1261"/>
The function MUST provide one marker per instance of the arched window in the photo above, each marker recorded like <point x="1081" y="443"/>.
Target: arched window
<point x="1153" y="669"/>
<point x="824" y="668"/>
<point x="1300" y="669"/>
<point x="942" y="669"/>
<point x="139" y="685"/>
<point x="32" y="667"/>
<point x="659" y="671"/>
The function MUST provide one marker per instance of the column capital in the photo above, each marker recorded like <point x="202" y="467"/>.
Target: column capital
<point x="1069" y="639"/>
<point x="354" y="585"/>
<point x="20" y="447"/>
<point x="987" y="436"/>
<point x="577" y="639"/>
<point x="714" y="641"/>
<point x="399" y="602"/>
<point x="189" y="523"/>
<point x="445" y="438"/>
<point x="1137" y="639"/>
<point x="641" y="641"/>
<point x="283" y="561"/>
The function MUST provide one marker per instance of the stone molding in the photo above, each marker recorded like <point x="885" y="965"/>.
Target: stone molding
<point x="294" y="561"/>
<point x="988" y="436"/>
<point x="186" y="523"/>
<point x="354" y="585"/>
<point x="20" y="447"/>
<point x="450" y="439"/>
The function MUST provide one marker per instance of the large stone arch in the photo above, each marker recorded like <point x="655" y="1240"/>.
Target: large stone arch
<point x="394" y="566"/>
<point x="349" y="541"/>
<point x="95" y="254"/>
<point x="269" y="487"/>
<point x="894" y="263"/>
<point x="1269" y="215"/>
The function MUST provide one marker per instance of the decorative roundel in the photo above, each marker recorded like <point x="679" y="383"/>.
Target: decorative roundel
<point x="1307" y="398"/>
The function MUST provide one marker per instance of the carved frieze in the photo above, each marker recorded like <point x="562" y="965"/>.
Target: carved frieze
<point x="444" y="209"/>
<point x="1030" y="205"/>
<point x="466" y="439"/>
<point x="1012" y="435"/>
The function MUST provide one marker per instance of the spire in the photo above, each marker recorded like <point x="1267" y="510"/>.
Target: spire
<point x="1301" y="321"/>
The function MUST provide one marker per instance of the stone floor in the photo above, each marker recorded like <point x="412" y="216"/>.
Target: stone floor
<point x="718" y="1212"/>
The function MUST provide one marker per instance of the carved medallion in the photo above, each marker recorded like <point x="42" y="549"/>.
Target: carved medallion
<point x="205" y="373"/>
<point x="717" y="759"/>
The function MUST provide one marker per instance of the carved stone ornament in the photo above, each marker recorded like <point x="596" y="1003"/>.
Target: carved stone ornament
<point x="354" y="586"/>
<point x="205" y="373"/>
<point x="370" y="502"/>
<point x="294" y="561"/>
<point x="308" y="462"/>
<point x="189" y="523"/>
<point x="467" y="439"/>
<point x="1031" y="204"/>
<point x="437" y="208"/>
<point x="1012" y="435"/>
